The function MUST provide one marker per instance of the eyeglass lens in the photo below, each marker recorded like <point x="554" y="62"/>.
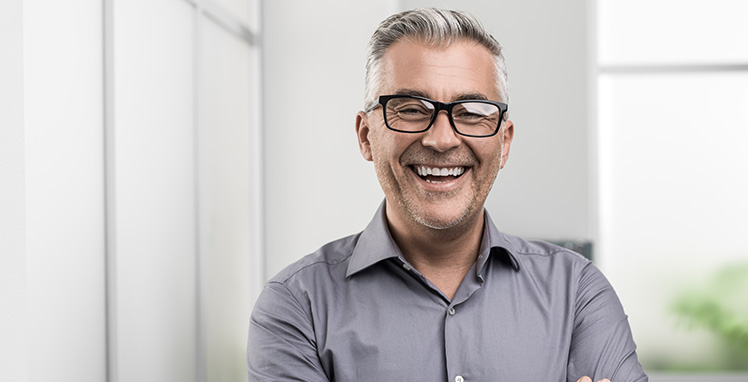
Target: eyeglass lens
<point x="470" y="117"/>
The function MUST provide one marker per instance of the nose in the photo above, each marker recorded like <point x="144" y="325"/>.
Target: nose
<point x="441" y="136"/>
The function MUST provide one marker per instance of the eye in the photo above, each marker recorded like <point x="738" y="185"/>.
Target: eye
<point x="474" y="112"/>
<point x="410" y="109"/>
<point x="413" y="110"/>
<point x="465" y="115"/>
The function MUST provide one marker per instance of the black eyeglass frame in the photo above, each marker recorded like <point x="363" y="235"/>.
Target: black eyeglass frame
<point x="439" y="106"/>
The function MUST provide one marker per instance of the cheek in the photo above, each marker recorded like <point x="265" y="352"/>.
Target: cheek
<point x="489" y="154"/>
<point x="383" y="155"/>
<point x="388" y="147"/>
<point x="379" y="148"/>
<point x="491" y="162"/>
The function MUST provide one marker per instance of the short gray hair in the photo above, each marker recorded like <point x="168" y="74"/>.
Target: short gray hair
<point x="433" y="26"/>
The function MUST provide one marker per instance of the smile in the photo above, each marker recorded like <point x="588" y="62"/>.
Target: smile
<point x="438" y="174"/>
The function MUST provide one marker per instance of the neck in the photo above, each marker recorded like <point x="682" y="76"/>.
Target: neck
<point x="443" y="256"/>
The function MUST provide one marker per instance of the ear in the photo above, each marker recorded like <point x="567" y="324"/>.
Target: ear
<point x="362" y="132"/>
<point x="508" y="135"/>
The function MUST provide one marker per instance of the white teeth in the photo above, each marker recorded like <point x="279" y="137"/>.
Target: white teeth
<point x="436" y="171"/>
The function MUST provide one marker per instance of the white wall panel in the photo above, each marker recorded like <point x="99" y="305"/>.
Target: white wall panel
<point x="154" y="192"/>
<point x="64" y="190"/>
<point x="224" y="119"/>
<point x="13" y="298"/>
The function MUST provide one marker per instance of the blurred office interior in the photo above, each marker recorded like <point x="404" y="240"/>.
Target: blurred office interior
<point x="161" y="159"/>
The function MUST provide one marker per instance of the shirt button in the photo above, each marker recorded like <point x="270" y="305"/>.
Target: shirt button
<point x="459" y="379"/>
<point x="406" y="266"/>
<point x="452" y="313"/>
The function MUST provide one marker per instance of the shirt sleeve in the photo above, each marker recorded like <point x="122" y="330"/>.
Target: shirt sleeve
<point x="601" y="344"/>
<point x="281" y="344"/>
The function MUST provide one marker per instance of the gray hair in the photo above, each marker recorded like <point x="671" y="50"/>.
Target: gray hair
<point x="436" y="27"/>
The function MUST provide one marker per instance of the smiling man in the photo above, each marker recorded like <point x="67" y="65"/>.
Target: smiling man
<point x="431" y="290"/>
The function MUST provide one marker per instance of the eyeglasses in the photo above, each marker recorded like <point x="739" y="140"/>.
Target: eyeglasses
<point x="412" y="114"/>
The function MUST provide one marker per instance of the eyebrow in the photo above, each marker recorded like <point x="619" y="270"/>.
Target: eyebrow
<point x="465" y="96"/>
<point x="459" y="97"/>
<point x="411" y="92"/>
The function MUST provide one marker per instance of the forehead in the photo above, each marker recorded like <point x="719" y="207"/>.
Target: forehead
<point x="443" y="73"/>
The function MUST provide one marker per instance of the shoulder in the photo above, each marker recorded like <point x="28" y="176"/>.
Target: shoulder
<point x="289" y="296"/>
<point x="333" y="255"/>
<point x="535" y="253"/>
<point x="554" y="267"/>
<point x="564" y="269"/>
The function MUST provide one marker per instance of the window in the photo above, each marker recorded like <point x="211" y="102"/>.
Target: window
<point x="672" y="90"/>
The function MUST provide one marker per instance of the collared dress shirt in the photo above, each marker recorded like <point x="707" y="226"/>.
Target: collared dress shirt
<point x="356" y="310"/>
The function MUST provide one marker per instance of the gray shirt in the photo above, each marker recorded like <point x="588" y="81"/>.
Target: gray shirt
<point x="355" y="310"/>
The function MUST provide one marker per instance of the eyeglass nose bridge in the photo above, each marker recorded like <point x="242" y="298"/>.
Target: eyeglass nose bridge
<point x="439" y="106"/>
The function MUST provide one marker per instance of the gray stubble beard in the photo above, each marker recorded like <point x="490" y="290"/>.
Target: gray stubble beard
<point x="409" y="206"/>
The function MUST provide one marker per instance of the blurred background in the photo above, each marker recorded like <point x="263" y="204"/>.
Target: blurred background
<point x="160" y="160"/>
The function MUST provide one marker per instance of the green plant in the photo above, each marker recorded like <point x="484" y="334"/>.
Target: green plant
<point x="720" y="305"/>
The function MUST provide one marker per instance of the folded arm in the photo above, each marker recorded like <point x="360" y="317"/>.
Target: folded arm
<point x="281" y="345"/>
<point x="602" y="346"/>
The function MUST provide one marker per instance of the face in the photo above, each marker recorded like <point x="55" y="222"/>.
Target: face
<point x="463" y="70"/>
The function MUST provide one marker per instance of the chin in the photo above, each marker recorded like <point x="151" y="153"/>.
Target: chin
<point x="442" y="222"/>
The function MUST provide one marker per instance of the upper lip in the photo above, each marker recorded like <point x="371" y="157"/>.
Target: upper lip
<point x="424" y="158"/>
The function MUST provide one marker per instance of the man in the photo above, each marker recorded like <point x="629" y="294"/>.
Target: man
<point x="431" y="290"/>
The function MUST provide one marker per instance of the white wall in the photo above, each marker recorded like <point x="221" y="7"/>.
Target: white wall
<point x="138" y="190"/>
<point x="317" y="185"/>
<point x="13" y="307"/>
<point x="182" y="188"/>
<point x="228" y="262"/>
<point x="64" y="189"/>
<point x="154" y="216"/>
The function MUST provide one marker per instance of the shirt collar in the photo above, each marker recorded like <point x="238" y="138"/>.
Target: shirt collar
<point x="496" y="244"/>
<point x="376" y="244"/>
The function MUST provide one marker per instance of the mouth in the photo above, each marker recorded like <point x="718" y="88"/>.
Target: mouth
<point x="438" y="174"/>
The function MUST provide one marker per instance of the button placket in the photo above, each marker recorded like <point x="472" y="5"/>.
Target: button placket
<point x="453" y="346"/>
